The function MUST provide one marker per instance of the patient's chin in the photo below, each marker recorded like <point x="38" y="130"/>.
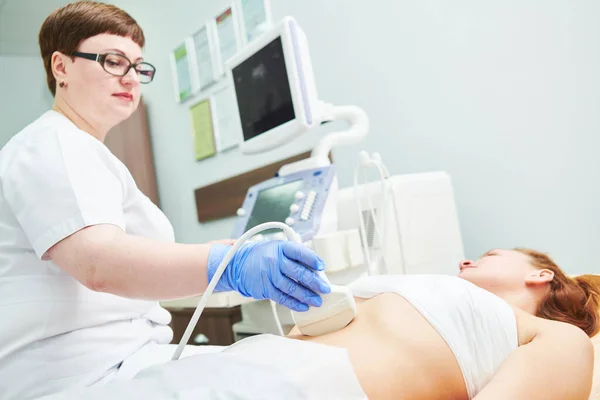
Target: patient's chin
<point x="467" y="273"/>
<point x="472" y="275"/>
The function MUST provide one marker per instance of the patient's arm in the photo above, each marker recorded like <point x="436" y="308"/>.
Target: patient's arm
<point x="556" y="364"/>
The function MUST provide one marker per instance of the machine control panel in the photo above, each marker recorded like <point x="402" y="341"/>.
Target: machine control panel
<point x="308" y="205"/>
<point x="297" y="200"/>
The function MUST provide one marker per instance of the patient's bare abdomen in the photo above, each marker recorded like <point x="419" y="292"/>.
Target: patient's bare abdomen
<point x="396" y="353"/>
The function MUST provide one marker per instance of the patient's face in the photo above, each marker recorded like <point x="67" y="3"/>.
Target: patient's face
<point x="498" y="271"/>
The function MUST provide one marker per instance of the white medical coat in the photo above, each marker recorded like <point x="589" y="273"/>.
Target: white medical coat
<point x="55" y="333"/>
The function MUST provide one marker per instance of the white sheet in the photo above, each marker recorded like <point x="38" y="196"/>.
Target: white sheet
<point x="265" y="367"/>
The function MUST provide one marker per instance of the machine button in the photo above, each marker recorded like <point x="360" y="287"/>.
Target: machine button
<point x="299" y="195"/>
<point x="241" y="212"/>
<point x="294" y="208"/>
<point x="290" y="221"/>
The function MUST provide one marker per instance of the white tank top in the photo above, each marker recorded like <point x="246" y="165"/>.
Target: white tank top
<point x="479" y="327"/>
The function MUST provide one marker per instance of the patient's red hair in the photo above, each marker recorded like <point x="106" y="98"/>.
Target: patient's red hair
<point x="572" y="300"/>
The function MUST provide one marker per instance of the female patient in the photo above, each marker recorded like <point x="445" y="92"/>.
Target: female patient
<point x="514" y="327"/>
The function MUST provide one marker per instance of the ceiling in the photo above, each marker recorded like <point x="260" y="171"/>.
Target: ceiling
<point x="20" y="22"/>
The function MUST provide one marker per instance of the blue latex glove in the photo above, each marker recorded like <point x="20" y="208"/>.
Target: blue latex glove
<point x="282" y="271"/>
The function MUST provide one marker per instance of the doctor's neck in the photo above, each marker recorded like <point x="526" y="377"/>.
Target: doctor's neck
<point x="62" y="107"/>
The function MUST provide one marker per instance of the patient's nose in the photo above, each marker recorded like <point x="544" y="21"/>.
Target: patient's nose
<point x="465" y="264"/>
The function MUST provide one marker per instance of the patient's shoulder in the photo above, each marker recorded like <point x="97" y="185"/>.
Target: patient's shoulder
<point x="530" y="326"/>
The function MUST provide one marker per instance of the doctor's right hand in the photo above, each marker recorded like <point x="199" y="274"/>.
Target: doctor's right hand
<point x="282" y="271"/>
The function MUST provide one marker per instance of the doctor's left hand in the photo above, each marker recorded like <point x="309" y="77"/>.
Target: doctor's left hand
<point x="282" y="271"/>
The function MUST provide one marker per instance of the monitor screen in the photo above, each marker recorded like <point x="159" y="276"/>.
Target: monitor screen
<point x="273" y="204"/>
<point x="263" y="91"/>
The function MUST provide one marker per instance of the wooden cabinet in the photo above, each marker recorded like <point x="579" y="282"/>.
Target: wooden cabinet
<point x="216" y="324"/>
<point x="130" y="142"/>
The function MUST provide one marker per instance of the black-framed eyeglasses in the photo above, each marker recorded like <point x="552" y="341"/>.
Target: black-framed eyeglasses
<point x="119" y="65"/>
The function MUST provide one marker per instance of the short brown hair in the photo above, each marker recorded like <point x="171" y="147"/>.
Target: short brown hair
<point x="572" y="300"/>
<point x="68" y="26"/>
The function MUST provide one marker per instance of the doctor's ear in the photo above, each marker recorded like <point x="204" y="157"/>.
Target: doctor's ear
<point x="539" y="276"/>
<point x="59" y="66"/>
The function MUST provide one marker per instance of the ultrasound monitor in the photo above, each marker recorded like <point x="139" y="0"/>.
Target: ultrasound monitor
<point x="275" y="93"/>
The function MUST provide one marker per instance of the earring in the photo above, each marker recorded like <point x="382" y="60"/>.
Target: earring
<point x="61" y="84"/>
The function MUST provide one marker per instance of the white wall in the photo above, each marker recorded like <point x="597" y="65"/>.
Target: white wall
<point x="23" y="94"/>
<point x="504" y="96"/>
<point x="178" y="173"/>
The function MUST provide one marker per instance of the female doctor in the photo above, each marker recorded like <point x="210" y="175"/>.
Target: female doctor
<point x="84" y="255"/>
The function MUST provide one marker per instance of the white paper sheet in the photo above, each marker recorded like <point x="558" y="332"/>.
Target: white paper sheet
<point x="204" y="58"/>
<point x="255" y="14"/>
<point x="228" y="131"/>
<point x="184" y="82"/>
<point x="226" y="31"/>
